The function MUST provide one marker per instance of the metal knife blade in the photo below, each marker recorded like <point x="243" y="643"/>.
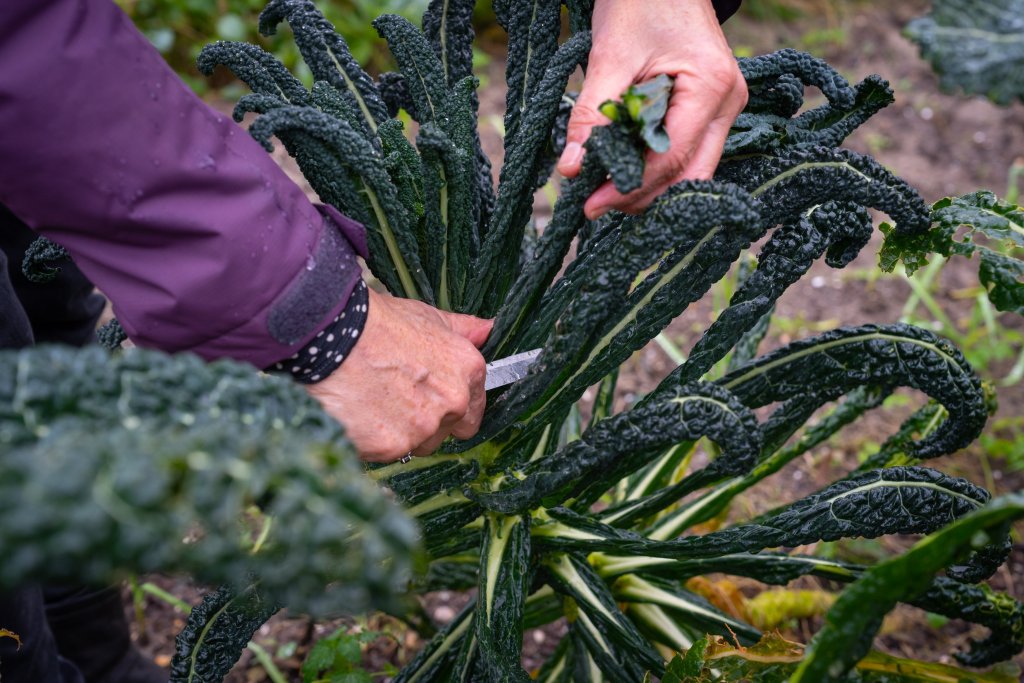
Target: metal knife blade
<point x="507" y="370"/>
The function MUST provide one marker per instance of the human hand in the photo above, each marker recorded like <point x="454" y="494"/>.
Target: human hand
<point x="634" y="41"/>
<point x="414" y="378"/>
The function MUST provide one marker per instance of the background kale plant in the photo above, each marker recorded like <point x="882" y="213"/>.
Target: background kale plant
<point x="513" y="511"/>
<point x="975" y="45"/>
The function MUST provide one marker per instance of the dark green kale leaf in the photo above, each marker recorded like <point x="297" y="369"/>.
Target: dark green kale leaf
<point x="827" y="125"/>
<point x="1001" y="613"/>
<point x="975" y="46"/>
<point x="420" y="66"/>
<point x="618" y="445"/>
<point x="448" y="25"/>
<point x="216" y="633"/>
<point x="533" y="27"/>
<point x="853" y="621"/>
<point x="393" y="251"/>
<point x="619" y="649"/>
<point x="898" y="500"/>
<point x="110" y="461"/>
<point x="504" y="581"/>
<point x="437" y="658"/>
<point x="36" y="264"/>
<point x="894" y="355"/>
<point x="838" y="230"/>
<point x="255" y="67"/>
<point x="328" y="57"/>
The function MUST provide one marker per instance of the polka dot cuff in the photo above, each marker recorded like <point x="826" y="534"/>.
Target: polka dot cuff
<point x="325" y="352"/>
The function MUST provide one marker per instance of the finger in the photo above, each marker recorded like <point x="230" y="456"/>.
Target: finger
<point x="469" y="425"/>
<point x="701" y="167"/>
<point x="476" y="330"/>
<point x="599" y="86"/>
<point x="689" y="115"/>
<point x="434" y="442"/>
<point x="705" y="160"/>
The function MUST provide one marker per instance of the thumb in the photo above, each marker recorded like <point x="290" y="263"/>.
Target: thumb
<point x="476" y="330"/>
<point x="598" y="87"/>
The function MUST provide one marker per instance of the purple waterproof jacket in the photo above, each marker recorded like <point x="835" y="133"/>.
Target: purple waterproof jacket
<point x="200" y="241"/>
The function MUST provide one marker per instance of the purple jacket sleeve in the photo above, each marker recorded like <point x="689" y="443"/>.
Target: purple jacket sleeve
<point x="200" y="241"/>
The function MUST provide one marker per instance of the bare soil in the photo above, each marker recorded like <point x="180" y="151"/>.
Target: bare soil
<point x="942" y="144"/>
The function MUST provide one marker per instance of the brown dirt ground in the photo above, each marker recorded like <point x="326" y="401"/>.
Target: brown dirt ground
<point x="942" y="144"/>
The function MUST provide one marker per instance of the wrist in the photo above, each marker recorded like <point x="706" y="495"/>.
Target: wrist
<point x="323" y="354"/>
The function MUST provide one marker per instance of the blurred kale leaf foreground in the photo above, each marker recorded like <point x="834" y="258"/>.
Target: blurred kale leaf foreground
<point x="975" y="45"/>
<point x="180" y="28"/>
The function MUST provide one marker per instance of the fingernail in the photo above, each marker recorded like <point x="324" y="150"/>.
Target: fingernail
<point x="571" y="155"/>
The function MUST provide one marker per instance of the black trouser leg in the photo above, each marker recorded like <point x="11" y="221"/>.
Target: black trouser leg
<point x="23" y="611"/>
<point x="36" y="661"/>
<point x="85" y="625"/>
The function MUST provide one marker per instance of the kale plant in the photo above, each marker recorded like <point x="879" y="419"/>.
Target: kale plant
<point x="512" y="512"/>
<point x="975" y="45"/>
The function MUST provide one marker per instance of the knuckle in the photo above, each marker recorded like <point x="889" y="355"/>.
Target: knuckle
<point x="584" y="115"/>
<point x="458" y="401"/>
<point x="722" y="78"/>
<point x="384" y="449"/>
<point x="476" y="367"/>
<point x="422" y="426"/>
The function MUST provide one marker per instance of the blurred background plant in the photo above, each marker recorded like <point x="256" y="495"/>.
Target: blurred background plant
<point x="180" y="28"/>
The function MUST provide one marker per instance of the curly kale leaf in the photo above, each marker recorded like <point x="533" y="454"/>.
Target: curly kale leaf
<point x="803" y="177"/>
<point x="328" y="57"/>
<point x="36" y="264"/>
<point x="825" y="367"/>
<point x="853" y="621"/>
<point x="828" y="125"/>
<point x="691" y="234"/>
<point x="1001" y="613"/>
<point x="394" y="254"/>
<point x="448" y="25"/>
<point x="975" y="46"/>
<point x="899" y="500"/>
<point x="216" y="632"/>
<point x="255" y="67"/>
<point x="110" y="461"/>
<point x="620" y="444"/>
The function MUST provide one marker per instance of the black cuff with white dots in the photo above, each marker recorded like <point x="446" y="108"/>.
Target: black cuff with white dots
<point x="325" y="352"/>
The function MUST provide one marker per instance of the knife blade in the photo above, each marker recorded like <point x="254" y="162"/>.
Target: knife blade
<point x="507" y="370"/>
